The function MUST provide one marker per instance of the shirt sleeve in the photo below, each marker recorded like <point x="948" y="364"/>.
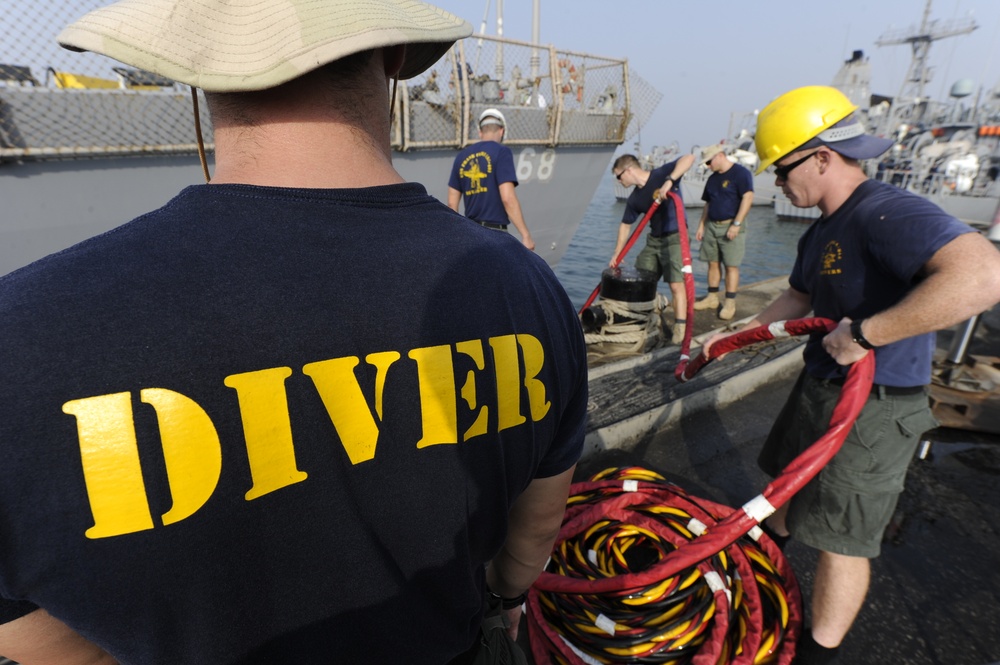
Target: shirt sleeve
<point x="746" y="181"/>
<point x="453" y="180"/>
<point x="506" y="171"/>
<point x="905" y="235"/>
<point x="15" y="609"/>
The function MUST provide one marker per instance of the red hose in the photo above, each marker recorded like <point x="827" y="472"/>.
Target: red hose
<point x="688" y="271"/>
<point x="722" y="534"/>
<point x="621" y="255"/>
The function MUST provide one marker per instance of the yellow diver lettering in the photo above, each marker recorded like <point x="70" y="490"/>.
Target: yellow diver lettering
<point x="534" y="359"/>
<point x="345" y="403"/>
<point x="267" y="429"/>
<point x="438" y="409"/>
<point x="111" y="468"/>
<point x="110" y="458"/>
<point x="192" y="451"/>
<point x="473" y="349"/>
<point x="508" y="373"/>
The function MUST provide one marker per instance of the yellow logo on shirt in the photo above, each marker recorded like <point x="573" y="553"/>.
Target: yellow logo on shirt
<point x="832" y="254"/>
<point x="471" y="170"/>
<point x="192" y="451"/>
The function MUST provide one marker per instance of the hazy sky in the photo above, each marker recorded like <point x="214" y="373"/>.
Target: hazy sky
<point x="712" y="59"/>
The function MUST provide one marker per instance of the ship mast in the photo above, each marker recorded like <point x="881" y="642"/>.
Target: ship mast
<point x="911" y="92"/>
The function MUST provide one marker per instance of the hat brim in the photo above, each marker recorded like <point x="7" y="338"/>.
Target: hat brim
<point x="860" y="147"/>
<point x="707" y="154"/>
<point x="219" y="47"/>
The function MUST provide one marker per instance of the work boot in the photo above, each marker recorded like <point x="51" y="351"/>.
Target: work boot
<point x="711" y="301"/>
<point x="728" y="310"/>
<point x="678" y="333"/>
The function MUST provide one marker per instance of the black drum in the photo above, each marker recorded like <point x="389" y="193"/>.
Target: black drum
<point x="628" y="284"/>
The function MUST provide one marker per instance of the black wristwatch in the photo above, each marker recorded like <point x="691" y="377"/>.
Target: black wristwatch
<point x="858" y="336"/>
<point x="509" y="603"/>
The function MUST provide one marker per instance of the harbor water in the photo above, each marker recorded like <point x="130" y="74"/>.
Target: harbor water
<point x="771" y="245"/>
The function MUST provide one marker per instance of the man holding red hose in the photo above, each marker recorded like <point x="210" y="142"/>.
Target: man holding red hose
<point x="662" y="253"/>
<point x="891" y="268"/>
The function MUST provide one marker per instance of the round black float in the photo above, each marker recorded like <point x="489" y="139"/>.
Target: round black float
<point x="628" y="284"/>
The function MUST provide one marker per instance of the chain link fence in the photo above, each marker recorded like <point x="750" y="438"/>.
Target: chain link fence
<point x="56" y="104"/>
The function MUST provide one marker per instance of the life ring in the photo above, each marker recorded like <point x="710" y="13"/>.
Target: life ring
<point x="572" y="80"/>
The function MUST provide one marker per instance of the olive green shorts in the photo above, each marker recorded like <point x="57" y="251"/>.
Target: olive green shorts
<point x="847" y="506"/>
<point x="662" y="256"/>
<point x="715" y="246"/>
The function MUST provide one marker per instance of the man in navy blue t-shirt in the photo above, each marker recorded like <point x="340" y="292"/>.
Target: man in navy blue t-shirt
<point x="662" y="254"/>
<point x="288" y="417"/>
<point x="722" y="231"/>
<point x="890" y="268"/>
<point x="483" y="177"/>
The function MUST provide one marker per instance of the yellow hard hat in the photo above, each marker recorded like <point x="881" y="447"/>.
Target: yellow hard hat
<point x="796" y="117"/>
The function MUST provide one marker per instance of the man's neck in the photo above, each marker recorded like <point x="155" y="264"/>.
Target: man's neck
<point x="313" y="155"/>
<point x="841" y="190"/>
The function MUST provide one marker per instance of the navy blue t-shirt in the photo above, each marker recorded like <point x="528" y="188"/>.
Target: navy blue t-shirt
<point x="724" y="192"/>
<point x="664" y="220"/>
<point x="477" y="173"/>
<point x="261" y="425"/>
<point x="865" y="258"/>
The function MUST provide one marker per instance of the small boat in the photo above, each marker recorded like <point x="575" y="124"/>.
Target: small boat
<point x="86" y="145"/>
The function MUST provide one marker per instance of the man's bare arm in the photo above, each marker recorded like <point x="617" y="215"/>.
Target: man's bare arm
<point x="454" y="196"/>
<point x="534" y="522"/>
<point x="513" y="208"/>
<point x="41" y="639"/>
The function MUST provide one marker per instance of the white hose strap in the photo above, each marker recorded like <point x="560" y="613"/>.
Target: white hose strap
<point x="777" y="329"/>
<point x="605" y="624"/>
<point x="688" y="269"/>
<point x="715" y="583"/>
<point x="684" y="357"/>
<point x="630" y="485"/>
<point x="696" y="526"/>
<point x="756" y="532"/>
<point x="589" y="660"/>
<point x="759" y="508"/>
<point x="835" y="134"/>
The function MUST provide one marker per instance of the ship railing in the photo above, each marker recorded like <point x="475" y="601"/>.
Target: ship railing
<point x="548" y="97"/>
<point x="61" y="105"/>
<point x="930" y="184"/>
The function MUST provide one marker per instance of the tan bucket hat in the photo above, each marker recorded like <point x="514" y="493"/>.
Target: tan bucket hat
<point x="711" y="151"/>
<point x="241" y="45"/>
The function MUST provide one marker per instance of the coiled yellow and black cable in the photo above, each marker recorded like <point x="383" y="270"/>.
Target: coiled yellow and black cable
<point x="739" y="605"/>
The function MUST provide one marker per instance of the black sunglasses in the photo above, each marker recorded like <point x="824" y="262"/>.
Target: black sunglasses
<point x="618" y="176"/>
<point x="783" y="171"/>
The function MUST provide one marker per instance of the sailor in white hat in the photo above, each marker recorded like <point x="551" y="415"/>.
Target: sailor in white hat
<point x="483" y="178"/>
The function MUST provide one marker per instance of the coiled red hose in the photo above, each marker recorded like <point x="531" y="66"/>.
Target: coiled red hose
<point x="730" y="526"/>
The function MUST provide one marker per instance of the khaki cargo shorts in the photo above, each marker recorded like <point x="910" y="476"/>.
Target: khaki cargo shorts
<point x="716" y="247"/>
<point x="847" y="506"/>
<point x="662" y="255"/>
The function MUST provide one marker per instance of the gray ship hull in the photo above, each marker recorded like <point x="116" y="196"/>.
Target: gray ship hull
<point x="51" y="205"/>
<point x="86" y="145"/>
